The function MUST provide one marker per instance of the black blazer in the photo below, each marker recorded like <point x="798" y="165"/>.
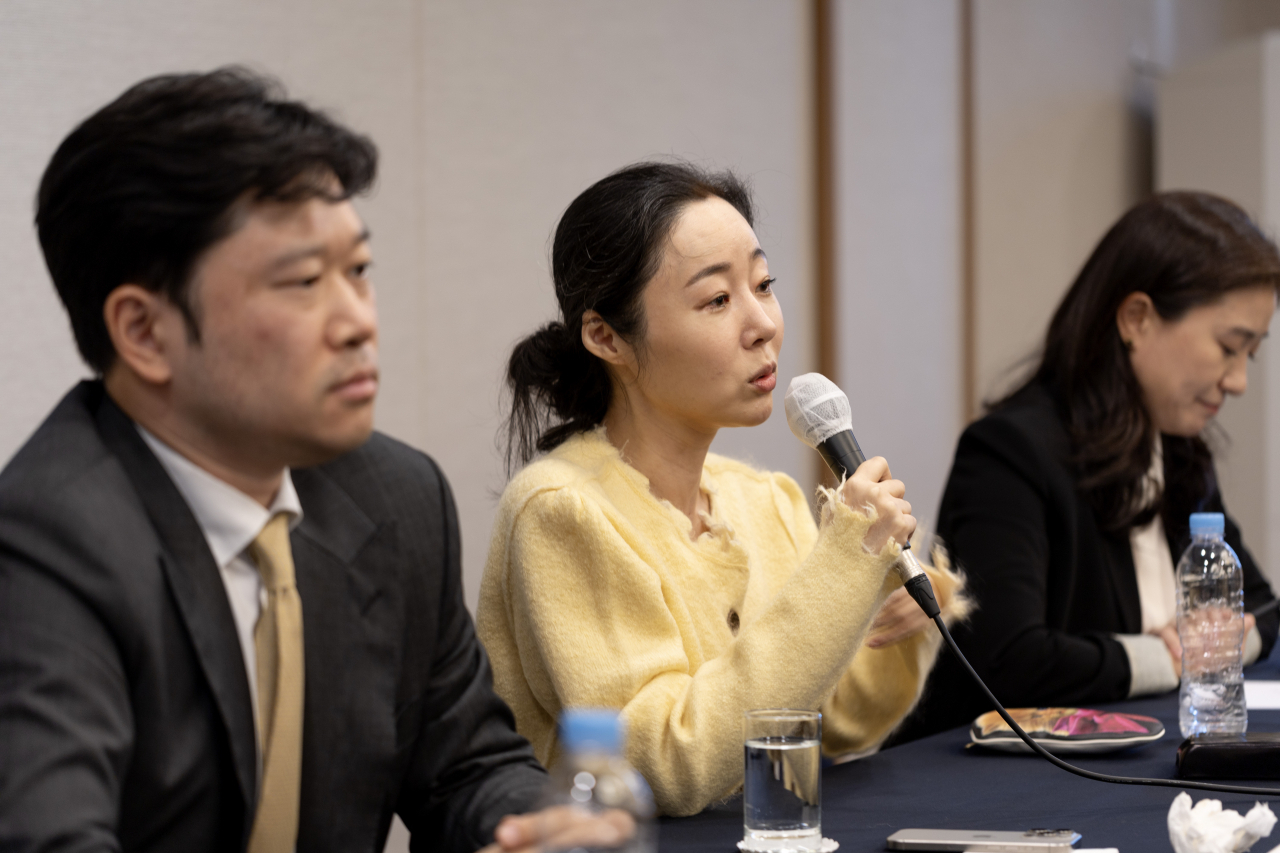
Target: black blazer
<point x="1050" y="586"/>
<point x="125" y="718"/>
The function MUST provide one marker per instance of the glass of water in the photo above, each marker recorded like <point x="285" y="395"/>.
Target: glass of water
<point x="782" y="793"/>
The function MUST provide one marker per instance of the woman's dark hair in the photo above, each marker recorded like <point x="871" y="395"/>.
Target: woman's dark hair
<point x="607" y="247"/>
<point x="1182" y="249"/>
<point x="142" y="187"/>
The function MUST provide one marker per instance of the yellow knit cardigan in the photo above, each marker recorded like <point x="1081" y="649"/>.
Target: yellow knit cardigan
<point x="595" y="595"/>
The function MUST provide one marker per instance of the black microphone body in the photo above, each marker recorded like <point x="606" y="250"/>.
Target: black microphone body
<point x="842" y="453"/>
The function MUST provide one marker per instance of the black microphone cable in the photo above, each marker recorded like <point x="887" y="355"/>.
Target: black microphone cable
<point x="819" y="414"/>
<point x="922" y="591"/>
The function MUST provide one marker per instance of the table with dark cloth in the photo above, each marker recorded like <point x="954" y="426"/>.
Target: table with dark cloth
<point x="938" y="783"/>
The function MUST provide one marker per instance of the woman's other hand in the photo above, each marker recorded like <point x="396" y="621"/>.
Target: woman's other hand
<point x="899" y="618"/>
<point x="872" y="486"/>
<point x="1169" y="633"/>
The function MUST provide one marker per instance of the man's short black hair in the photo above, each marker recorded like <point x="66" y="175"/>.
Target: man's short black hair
<point x="145" y="185"/>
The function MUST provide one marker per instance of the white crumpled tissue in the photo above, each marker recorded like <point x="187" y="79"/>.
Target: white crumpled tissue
<point x="1209" y="828"/>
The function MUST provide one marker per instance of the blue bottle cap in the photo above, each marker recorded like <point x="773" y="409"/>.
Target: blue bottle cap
<point x="1207" y="524"/>
<point x="591" y="730"/>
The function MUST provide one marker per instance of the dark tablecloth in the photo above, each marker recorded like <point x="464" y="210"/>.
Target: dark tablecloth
<point x="938" y="783"/>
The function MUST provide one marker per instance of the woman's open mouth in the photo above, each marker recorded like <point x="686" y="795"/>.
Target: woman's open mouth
<point x="766" y="379"/>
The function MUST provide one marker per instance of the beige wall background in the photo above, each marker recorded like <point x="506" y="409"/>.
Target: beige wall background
<point x="898" y="216"/>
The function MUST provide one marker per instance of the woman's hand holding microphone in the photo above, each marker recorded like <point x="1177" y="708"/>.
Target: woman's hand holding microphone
<point x="873" y="488"/>
<point x="873" y="492"/>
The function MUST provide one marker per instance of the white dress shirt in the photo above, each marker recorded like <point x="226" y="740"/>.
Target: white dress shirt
<point x="1152" y="560"/>
<point x="1150" y="667"/>
<point x="230" y="521"/>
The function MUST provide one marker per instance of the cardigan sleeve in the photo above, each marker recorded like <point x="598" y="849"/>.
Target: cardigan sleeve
<point x="593" y="626"/>
<point x="880" y="686"/>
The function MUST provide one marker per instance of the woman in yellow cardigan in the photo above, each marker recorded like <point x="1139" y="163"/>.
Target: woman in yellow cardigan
<point x="631" y="568"/>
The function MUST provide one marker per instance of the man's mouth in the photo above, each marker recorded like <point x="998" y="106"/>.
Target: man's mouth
<point x="359" y="386"/>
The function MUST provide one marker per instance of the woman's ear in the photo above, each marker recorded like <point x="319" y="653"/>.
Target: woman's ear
<point x="140" y="323"/>
<point x="1135" y="318"/>
<point x="603" y="342"/>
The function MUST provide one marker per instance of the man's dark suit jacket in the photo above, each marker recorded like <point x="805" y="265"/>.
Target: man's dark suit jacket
<point x="125" y="718"/>
<point x="1051" y="586"/>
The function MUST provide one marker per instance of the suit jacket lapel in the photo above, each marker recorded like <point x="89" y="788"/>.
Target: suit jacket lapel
<point x="197" y="587"/>
<point x="344" y="564"/>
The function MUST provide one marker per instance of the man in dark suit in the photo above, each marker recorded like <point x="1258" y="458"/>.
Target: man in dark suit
<point x="231" y="616"/>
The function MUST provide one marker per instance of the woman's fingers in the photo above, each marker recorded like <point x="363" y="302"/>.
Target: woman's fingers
<point x="562" y="826"/>
<point x="874" y="469"/>
<point x="872" y="490"/>
<point x="1169" y="633"/>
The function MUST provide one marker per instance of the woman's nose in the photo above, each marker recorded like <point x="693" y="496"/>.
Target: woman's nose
<point x="1237" y="377"/>
<point x="760" y="327"/>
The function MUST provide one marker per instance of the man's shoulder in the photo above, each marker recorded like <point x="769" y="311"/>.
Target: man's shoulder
<point x="383" y="471"/>
<point x="66" y="449"/>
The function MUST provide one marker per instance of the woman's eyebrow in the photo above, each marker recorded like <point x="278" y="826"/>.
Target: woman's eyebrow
<point x="1247" y="333"/>
<point x="716" y="269"/>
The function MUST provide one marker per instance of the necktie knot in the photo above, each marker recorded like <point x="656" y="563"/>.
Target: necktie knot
<point x="270" y="549"/>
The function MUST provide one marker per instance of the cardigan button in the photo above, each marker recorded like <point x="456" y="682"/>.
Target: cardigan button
<point x="733" y="621"/>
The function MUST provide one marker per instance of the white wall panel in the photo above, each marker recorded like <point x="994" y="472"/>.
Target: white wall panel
<point x="897" y="146"/>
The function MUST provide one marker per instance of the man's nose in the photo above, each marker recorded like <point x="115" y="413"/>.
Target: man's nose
<point x="355" y="314"/>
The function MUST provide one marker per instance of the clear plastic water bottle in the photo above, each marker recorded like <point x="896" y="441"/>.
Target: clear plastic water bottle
<point x="593" y="779"/>
<point x="1211" y="629"/>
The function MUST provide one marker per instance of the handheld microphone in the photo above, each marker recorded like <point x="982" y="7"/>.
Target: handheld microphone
<point x="819" y="414"/>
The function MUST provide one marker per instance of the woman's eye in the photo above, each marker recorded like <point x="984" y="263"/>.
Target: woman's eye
<point x="766" y="286"/>
<point x="720" y="301"/>
<point x="361" y="270"/>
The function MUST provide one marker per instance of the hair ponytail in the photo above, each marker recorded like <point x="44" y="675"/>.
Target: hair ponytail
<point x="607" y="247"/>
<point x="557" y="389"/>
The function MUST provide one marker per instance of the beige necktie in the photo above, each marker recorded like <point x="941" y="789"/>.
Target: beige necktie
<point x="277" y="640"/>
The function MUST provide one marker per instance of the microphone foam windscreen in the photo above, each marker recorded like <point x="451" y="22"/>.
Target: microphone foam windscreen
<point x="816" y="408"/>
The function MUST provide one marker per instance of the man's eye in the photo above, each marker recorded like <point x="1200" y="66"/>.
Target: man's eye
<point x="361" y="270"/>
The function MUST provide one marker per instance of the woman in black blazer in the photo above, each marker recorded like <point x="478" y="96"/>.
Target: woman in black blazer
<point x="1068" y="503"/>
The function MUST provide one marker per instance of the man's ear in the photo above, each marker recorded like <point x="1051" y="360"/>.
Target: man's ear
<point x="603" y="342"/>
<point x="142" y="325"/>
